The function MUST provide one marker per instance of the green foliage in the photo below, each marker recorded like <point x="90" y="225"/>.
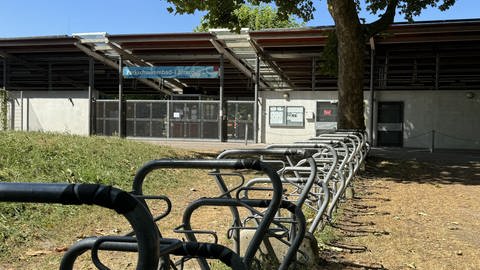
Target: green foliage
<point x="329" y="64"/>
<point x="49" y="157"/>
<point x="255" y="18"/>
<point x="328" y="234"/>
<point x="223" y="13"/>
<point x="409" y="8"/>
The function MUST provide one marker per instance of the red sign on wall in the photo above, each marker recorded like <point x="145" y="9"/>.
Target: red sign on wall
<point x="327" y="112"/>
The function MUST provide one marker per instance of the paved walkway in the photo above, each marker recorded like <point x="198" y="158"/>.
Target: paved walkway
<point x="439" y="156"/>
<point x="442" y="156"/>
<point x="206" y="146"/>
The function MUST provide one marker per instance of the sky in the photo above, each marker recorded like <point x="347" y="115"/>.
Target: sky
<point x="21" y="18"/>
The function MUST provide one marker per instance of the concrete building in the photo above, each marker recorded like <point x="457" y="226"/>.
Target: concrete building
<point x="422" y="79"/>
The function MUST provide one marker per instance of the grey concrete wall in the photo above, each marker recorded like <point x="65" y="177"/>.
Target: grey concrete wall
<point x="454" y="117"/>
<point x="56" y="111"/>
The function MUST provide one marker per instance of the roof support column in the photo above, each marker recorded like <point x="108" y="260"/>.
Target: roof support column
<point x="255" y="105"/>
<point x="4" y="84"/>
<point x="91" y="101"/>
<point x="372" y="89"/>
<point x="4" y="98"/>
<point x="4" y="74"/>
<point x="222" y="127"/>
<point x="121" y="107"/>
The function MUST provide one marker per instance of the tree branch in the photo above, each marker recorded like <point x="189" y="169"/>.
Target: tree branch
<point x="384" y="21"/>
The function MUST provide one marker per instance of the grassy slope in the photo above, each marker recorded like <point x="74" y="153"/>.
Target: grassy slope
<point x="26" y="229"/>
<point x="48" y="157"/>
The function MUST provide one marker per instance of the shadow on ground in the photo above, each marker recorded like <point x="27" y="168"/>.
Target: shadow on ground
<point x="427" y="172"/>
<point x="400" y="166"/>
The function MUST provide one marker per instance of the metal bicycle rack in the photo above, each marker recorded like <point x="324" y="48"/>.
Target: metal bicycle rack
<point x="312" y="174"/>
<point x="301" y="184"/>
<point x="325" y="159"/>
<point x="147" y="238"/>
<point x="225" y="199"/>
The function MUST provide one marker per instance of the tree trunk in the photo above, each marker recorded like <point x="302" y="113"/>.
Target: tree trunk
<point x="350" y="63"/>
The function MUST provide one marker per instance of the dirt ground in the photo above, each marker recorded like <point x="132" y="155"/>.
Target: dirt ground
<point x="420" y="211"/>
<point x="411" y="210"/>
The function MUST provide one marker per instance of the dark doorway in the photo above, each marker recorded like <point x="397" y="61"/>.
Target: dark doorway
<point x="390" y="124"/>
<point x="326" y="117"/>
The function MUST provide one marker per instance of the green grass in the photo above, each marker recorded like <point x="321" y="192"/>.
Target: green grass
<point x="50" y="157"/>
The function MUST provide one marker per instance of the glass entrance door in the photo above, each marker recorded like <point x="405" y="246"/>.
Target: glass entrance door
<point x="390" y="124"/>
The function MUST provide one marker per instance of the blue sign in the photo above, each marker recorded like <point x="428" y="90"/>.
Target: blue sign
<point x="179" y="72"/>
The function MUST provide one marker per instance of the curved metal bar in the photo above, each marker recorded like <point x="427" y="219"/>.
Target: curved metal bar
<point x="224" y="189"/>
<point x="260" y="231"/>
<point x="211" y="251"/>
<point x="344" y="180"/>
<point x="253" y="164"/>
<point x="105" y="196"/>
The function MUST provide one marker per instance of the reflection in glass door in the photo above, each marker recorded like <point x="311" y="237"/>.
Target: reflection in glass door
<point x="390" y="124"/>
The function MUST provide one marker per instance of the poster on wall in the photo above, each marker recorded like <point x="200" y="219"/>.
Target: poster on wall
<point x="277" y="115"/>
<point x="295" y="116"/>
<point x="287" y="116"/>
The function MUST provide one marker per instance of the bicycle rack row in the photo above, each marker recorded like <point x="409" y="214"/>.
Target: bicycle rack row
<point x="274" y="184"/>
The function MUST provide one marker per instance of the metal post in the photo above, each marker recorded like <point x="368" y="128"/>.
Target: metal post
<point x="167" y="124"/>
<point x="120" y="98"/>
<point x="385" y="71"/>
<point x="255" y="105"/>
<point x="91" y="87"/>
<point x="21" y="110"/>
<point x="432" y="145"/>
<point x="27" y="122"/>
<point x="4" y="96"/>
<point x="4" y="73"/>
<point x="246" y="133"/>
<point x="372" y="89"/>
<point x="222" y="114"/>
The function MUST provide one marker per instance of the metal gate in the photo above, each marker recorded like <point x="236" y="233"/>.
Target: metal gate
<point x="172" y="119"/>
<point x="390" y="124"/>
<point x="240" y="120"/>
<point x="192" y="119"/>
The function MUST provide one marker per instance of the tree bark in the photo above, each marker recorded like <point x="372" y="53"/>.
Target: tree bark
<point x="350" y="63"/>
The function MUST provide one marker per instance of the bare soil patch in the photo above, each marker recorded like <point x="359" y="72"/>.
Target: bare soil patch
<point x="410" y="215"/>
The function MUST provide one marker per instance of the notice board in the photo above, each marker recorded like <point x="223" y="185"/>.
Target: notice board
<point x="287" y="116"/>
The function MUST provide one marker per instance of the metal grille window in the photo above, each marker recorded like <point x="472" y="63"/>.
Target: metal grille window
<point x="161" y="118"/>
<point x="107" y="117"/>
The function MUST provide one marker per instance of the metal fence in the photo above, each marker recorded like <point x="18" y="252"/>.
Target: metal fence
<point x="170" y="119"/>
